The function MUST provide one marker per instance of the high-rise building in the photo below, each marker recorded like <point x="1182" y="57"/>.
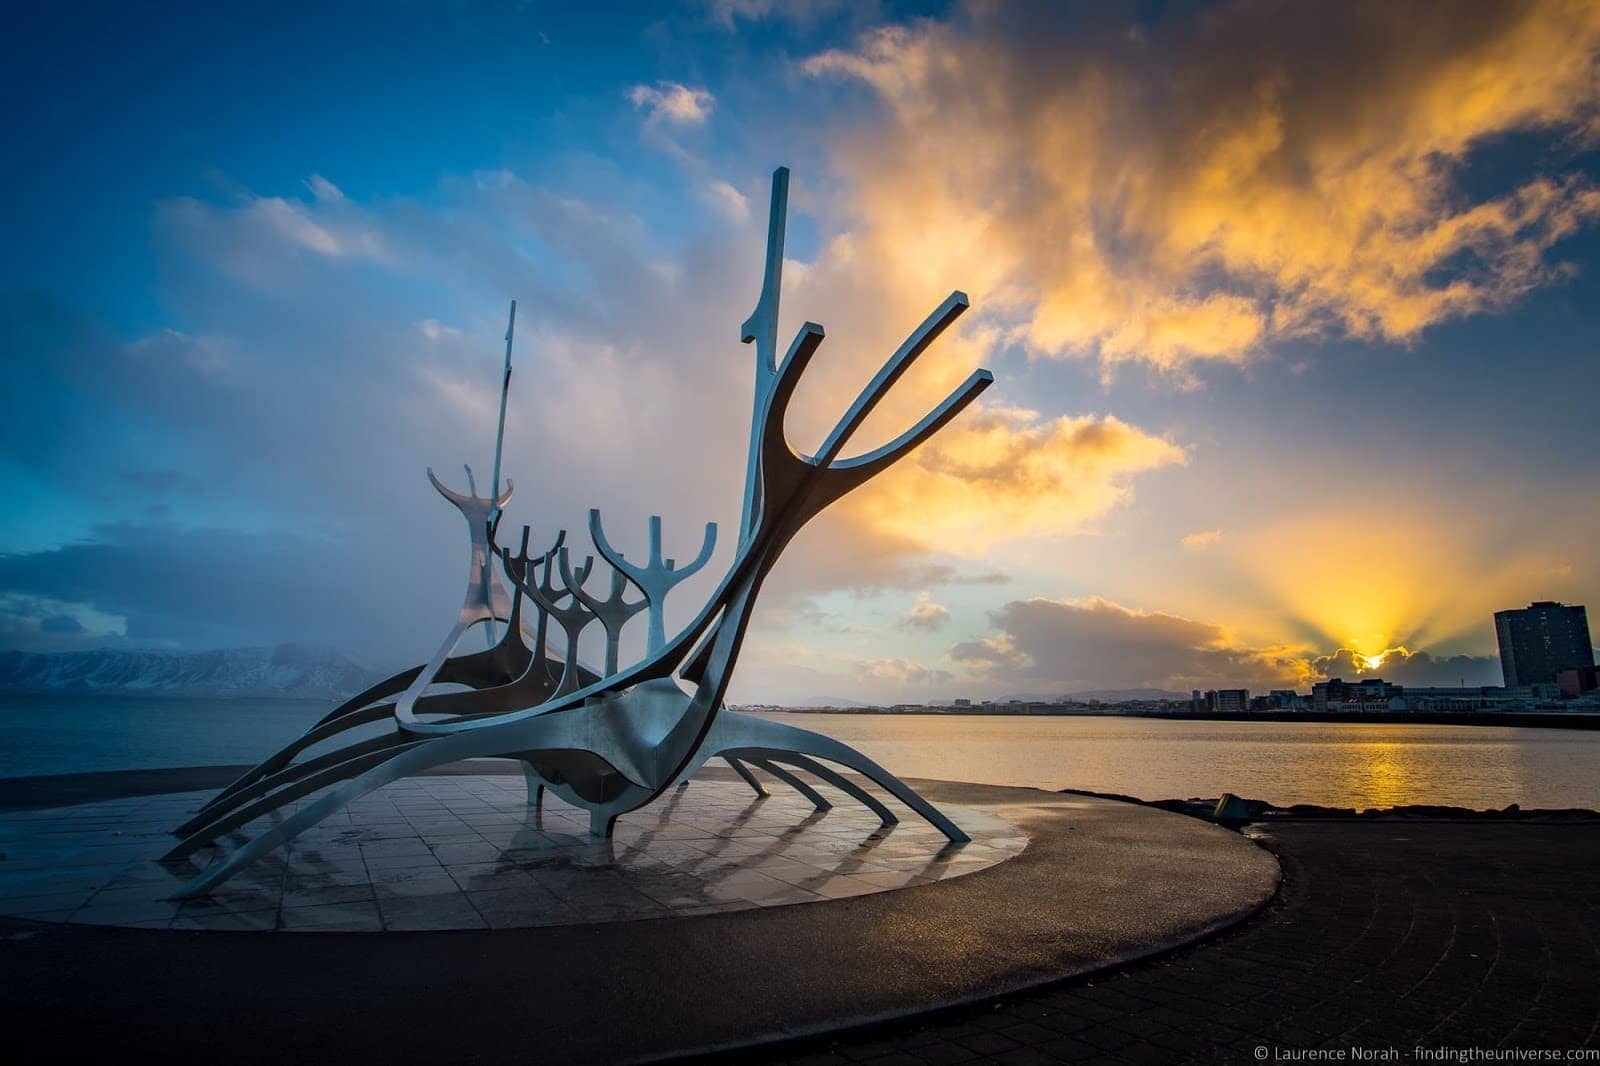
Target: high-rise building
<point x="1539" y="641"/>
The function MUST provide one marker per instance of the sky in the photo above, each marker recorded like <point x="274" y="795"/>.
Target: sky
<point x="1292" y="310"/>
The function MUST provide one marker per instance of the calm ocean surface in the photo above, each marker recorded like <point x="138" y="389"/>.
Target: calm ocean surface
<point x="1346" y="765"/>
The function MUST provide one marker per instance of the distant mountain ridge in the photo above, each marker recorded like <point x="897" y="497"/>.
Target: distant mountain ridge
<point x="288" y="671"/>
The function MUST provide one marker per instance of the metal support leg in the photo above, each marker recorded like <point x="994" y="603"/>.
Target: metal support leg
<point x="795" y="783"/>
<point x="742" y="771"/>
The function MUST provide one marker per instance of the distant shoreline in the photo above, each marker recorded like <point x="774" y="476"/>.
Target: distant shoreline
<point x="1504" y="719"/>
<point x="1523" y="719"/>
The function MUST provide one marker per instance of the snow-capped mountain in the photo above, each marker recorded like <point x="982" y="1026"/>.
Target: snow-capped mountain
<point x="287" y="671"/>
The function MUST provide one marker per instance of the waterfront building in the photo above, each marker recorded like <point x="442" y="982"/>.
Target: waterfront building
<point x="1481" y="698"/>
<point x="1234" y="700"/>
<point x="1436" y="698"/>
<point x="1577" y="681"/>
<point x="1338" y="694"/>
<point x="1539" y="641"/>
<point x="1279" y="699"/>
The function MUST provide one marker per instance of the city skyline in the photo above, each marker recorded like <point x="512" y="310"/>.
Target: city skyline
<point x="1290" y="312"/>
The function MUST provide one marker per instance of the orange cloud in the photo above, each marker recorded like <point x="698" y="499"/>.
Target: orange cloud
<point x="1000" y="473"/>
<point x="1194" y="190"/>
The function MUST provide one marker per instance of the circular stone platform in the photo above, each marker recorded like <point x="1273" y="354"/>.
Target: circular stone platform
<point x="1099" y="883"/>
<point x="466" y="852"/>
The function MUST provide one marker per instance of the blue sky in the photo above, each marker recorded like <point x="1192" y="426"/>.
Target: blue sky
<point x="1291" y="312"/>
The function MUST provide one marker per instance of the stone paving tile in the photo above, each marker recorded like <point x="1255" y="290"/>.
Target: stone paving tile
<point x="443" y="853"/>
<point x="407" y="914"/>
<point x="252" y="922"/>
<point x="414" y="883"/>
<point x="1384" y="936"/>
<point x="332" y="917"/>
<point x="305" y="897"/>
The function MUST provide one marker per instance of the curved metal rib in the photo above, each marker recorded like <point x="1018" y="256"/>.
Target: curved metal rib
<point x="357" y="777"/>
<point x="339" y="771"/>
<point x="741" y="733"/>
<point x="794" y="782"/>
<point x="891" y="371"/>
<point x="285" y="755"/>
<point x="744" y="772"/>
<point x="215" y="810"/>
<point x="389" y="686"/>
<point x="837" y="780"/>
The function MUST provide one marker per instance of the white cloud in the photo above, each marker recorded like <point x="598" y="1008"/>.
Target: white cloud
<point x="728" y="13"/>
<point x="728" y="201"/>
<point x="899" y="671"/>
<point x="170" y="347"/>
<point x="435" y="330"/>
<point x="925" y="614"/>
<point x="323" y="189"/>
<point x="671" y="102"/>
<point x="296" y="224"/>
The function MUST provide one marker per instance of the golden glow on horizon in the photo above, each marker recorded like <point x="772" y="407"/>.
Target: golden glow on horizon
<point x="1364" y="587"/>
<point x="1377" y="588"/>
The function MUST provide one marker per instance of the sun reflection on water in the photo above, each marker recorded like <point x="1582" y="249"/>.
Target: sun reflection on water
<point x="1380" y="775"/>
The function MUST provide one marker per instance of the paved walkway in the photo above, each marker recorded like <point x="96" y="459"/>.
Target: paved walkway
<point x="1394" y="935"/>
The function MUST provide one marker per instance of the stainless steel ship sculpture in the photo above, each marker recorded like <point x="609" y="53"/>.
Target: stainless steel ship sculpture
<point x="613" y="740"/>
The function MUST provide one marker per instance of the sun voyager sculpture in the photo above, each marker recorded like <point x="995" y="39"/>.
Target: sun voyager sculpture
<point x="615" y="739"/>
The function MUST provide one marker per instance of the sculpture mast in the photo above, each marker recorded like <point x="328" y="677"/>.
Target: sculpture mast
<point x="762" y="328"/>
<point x="499" y="443"/>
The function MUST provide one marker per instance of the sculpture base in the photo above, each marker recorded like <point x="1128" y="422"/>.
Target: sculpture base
<point x="467" y="852"/>
<point x="1099" y="883"/>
